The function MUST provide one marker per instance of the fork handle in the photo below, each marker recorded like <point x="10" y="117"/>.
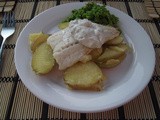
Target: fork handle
<point x="1" y="51"/>
<point x="1" y="39"/>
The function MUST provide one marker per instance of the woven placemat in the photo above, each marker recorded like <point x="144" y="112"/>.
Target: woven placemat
<point x="17" y="102"/>
<point x="6" y="5"/>
<point x="153" y="8"/>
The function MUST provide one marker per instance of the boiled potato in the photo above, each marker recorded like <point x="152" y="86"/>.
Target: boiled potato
<point x="84" y="76"/>
<point x="109" y="54"/>
<point x="112" y="62"/>
<point x="33" y="37"/>
<point x="109" y="63"/>
<point x="112" y="52"/>
<point x="95" y="53"/>
<point x="86" y="58"/>
<point x="63" y="25"/>
<point x="121" y="47"/>
<point x="115" y="41"/>
<point x="42" y="59"/>
<point x="113" y="55"/>
<point x="122" y="57"/>
<point x="38" y="41"/>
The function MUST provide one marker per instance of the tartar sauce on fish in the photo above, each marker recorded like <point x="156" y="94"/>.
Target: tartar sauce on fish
<point x="78" y="40"/>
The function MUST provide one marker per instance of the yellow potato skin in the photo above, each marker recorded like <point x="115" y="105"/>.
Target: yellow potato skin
<point x="38" y="41"/>
<point x="84" y="76"/>
<point x="113" y="52"/>
<point x="121" y="47"/>
<point x="112" y="62"/>
<point x="115" y="41"/>
<point x="33" y="37"/>
<point x="113" y="55"/>
<point x="109" y="54"/>
<point x="63" y="25"/>
<point x="95" y="53"/>
<point x="42" y="59"/>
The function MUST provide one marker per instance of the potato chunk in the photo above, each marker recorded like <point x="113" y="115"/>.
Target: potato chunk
<point x="42" y="59"/>
<point x="121" y="47"/>
<point x="112" y="62"/>
<point x="113" y="55"/>
<point x="39" y="39"/>
<point x="95" y="53"/>
<point x="113" y="52"/>
<point x="63" y="25"/>
<point x="85" y="76"/>
<point x="115" y="41"/>
<point x="33" y="37"/>
<point x="109" y="54"/>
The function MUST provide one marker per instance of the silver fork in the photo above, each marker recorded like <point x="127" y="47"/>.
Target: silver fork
<point x="8" y="29"/>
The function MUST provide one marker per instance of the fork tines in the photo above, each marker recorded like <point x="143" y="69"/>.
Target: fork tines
<point x="8" y="19"/>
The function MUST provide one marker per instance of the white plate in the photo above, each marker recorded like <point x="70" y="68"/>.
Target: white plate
<point x="123" y="83"/>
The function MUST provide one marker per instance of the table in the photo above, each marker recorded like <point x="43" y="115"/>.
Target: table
<point x="17" y="102"/>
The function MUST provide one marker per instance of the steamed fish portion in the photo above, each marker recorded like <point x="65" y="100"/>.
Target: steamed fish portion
<point x="68" y="52"/>
<point x="90" y="34"/>
<point x="70" y="55"/>
<point x="76" y="41"/>
<point x="54" y="39"/>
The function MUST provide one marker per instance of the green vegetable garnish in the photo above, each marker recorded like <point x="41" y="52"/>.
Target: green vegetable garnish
<point x="95" y="13"/>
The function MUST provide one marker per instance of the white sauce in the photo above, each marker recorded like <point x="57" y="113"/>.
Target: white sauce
<point x="82" y="33"/>
<point x="89" y="34"/>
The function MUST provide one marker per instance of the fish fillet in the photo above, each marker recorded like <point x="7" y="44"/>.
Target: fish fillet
<point x="73" y="44"/>
<point x="90" y="34"/>
<point x="70" y="55"/>
<point x="55" y="38"/>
